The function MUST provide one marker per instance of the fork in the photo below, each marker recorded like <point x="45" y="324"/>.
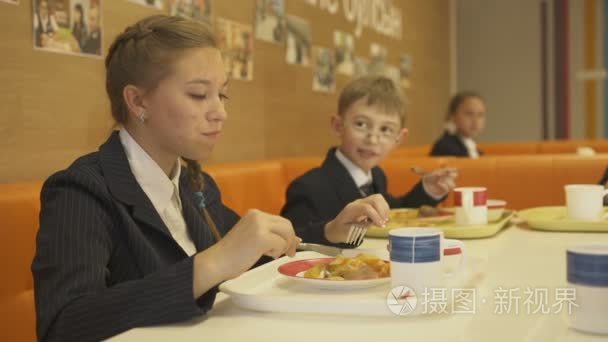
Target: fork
<point x="357" y="233"/>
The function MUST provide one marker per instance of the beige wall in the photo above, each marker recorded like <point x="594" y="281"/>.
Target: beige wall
<point x="499" y="56"/>
<point x="54" y="106"/>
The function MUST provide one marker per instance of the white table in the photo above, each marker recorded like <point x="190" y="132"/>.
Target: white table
<point x="517" y="258"/>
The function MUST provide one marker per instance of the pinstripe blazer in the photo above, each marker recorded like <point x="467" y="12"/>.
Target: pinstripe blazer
<point x="105" y="262"/>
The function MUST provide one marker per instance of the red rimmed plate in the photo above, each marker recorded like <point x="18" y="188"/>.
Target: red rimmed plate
<point x="295" y="270"/>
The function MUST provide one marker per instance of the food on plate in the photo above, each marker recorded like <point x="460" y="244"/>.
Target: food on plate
<point x="423" y="217"/>
<point x="428" y="211"/>
<point x="363" y="266"/>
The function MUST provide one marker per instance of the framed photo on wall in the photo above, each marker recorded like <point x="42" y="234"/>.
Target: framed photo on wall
<point x="270" y="22"/>
<point x="405" y="69"/>
<point x="299" y="40"/>
<point x="68" y="26"/>
<point x="324" y="70"/>
<point x="236" y="42"/>
<point x="158" y="4"/>
<point x="377" y="61"/>
<point x="201" y="10"/>
<point x="345" y="53"/>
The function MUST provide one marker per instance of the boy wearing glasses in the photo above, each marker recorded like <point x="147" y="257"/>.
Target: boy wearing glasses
<point x="369" y="124"/>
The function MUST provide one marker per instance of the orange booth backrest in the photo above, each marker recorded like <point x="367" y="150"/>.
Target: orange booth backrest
<point x="517" y="148"/>
<point x="512" y="148"/>
<point x="254" y="184"/>
<point x="295" y="167"/>
<point x="19" y="207"/>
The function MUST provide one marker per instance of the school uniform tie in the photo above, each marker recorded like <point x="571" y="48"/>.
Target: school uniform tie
<point x="367" y="189"/>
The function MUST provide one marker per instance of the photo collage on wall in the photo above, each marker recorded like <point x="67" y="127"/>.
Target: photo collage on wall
<point x="344" y="44"/>
<point x="274" y="24"/>
<point x="270" y="21"/>
<point x="324" y="70"/>
<point x="201" y="10"/>
<point x="74" y="27"/>
<point x="298" y="41"/>
<point x="158" y="4"/>
<point x="68" y="26"/>
<point x="405" y="70"/>
<point x="377" y="60"/>
<point x="236" y="42"/>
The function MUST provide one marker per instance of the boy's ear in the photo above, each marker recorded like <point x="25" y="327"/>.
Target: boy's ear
<point x="337" y="124"/>
<point x="402" y="136"/>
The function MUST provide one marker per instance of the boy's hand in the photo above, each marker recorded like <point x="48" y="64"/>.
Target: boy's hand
<point x="373" y="208"/>
<point x="440" y="181"/>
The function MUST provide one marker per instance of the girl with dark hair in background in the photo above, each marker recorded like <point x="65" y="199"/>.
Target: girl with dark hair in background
<point x="465" y="120"/>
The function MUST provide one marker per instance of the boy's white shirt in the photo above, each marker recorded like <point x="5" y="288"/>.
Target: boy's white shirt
<point x="362" y="178"/>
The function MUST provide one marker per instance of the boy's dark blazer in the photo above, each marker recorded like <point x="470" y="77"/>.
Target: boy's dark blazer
<point x="321" y="193"/>
<point x="604" y="177"/>
<point x="603" y="182"/>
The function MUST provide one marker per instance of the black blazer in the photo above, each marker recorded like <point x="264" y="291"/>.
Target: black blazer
<point x="450" y="145"/>
<point x="105" y="262"/>
<point x="603" y="182"/>
<point x="321" y="193"/>
<point x="604" y="177"/>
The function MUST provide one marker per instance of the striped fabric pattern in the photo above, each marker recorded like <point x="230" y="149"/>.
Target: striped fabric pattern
<point x="105" y="262"/>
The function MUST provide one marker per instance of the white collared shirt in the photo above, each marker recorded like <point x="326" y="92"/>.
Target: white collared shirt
<point x="162" y="191"/>
<point x="360" y="177"/>
<point x="471" y="147"/>
<point x="469" y="143"/>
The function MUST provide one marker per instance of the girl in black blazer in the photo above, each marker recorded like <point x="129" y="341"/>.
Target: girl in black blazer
<point x="465" y="120"/>
<point x="107" y="258"/>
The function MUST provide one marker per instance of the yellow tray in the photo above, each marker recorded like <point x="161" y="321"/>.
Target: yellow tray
<point x="407" y="218"/>
<point x="554" y="219"/>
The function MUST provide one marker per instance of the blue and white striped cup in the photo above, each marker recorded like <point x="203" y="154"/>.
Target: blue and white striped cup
<point x="416" y="256"/>
<point x="587" y="268"/>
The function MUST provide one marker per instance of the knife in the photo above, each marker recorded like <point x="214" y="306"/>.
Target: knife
<point x="313" y="247"/>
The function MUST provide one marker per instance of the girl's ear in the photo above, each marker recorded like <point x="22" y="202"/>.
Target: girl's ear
<point x="134" y="100"/>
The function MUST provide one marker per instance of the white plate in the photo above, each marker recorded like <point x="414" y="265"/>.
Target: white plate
<point x="295" y="270"/>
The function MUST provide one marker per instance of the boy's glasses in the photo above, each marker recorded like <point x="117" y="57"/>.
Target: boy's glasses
<point x="384" y="133"/>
